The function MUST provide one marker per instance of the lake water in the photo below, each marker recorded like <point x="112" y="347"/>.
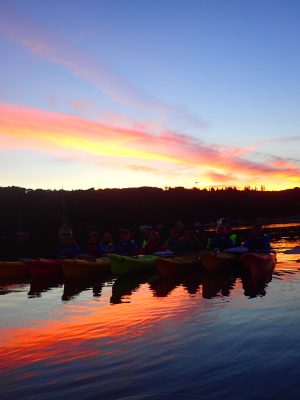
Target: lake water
<point x="207" y="336"/>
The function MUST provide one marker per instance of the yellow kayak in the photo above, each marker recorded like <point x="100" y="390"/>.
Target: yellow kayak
<point x="217" y="261"/>
<point x="13" y="269"/>
<point x="75" y="268"/>
<point x="177" y="265"/>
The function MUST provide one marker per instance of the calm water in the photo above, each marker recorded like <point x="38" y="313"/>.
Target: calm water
<point x="206" y="336"/>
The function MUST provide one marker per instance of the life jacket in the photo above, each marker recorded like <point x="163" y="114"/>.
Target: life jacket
<point x="261" y="242"/>
<point x="234" y="237"/>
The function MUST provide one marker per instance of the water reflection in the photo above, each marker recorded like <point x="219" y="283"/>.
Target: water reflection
<point x="125" y="285"/>
<point x="163" y="286"/>
<point x="12" y="285"/>
<point x="255" y="284"/>
<point x="40" y="285"/>
<point x="73" y="287"/>
<point x="145" y="327"/>
<point x="192" y="282"/>
<point x="217" y="283"/>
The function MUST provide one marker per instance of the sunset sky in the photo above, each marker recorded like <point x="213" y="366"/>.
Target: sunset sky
<point x="128" y="93"/>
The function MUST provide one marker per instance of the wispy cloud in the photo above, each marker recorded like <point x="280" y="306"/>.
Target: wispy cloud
<point x="281" y="139"/>
<point x="142" y="168"/>
<point x="80" y="105"/>
<point x="44" y="44"/>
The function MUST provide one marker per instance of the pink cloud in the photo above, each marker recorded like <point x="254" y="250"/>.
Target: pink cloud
<point x="220" y="178"/>
<point x="31" y="128"/>
<point x="286" y="164"/>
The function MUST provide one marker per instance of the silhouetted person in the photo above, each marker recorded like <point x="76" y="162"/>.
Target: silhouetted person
<point x="125" y="245"/>
<point x="258" y="240"/>
<point x="106" y="244"/>
<point x="221" y="239"/>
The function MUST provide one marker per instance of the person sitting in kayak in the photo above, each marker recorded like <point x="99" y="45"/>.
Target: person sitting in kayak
<point x="228" y="225"/>
<point x="126" y="245"/>
<point x="153" y="243"/>
<point x="143" y="235"/>
<point x="70" y="248"/>
<point x="258" y="240"/>
<point x="106" y="245"/>
<point x="93" y="244"/>
<point x="187" y="243"/>
<point x="64" y="234"/>
<point x="221" y="239"/>
<point x="172" y="241"/>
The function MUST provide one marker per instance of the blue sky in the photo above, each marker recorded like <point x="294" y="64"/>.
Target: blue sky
<point x="225" y="73"/>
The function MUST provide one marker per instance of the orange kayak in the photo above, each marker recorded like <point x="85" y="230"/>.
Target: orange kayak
<point x="13" y="269"/>
<point x="74" y="268"/>
<point x="177" y="265"/>
<point x="213" y="262"/>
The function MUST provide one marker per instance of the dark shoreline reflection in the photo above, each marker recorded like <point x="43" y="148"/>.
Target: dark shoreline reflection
<point x="163" y="286"/>
<point x="215" y="283"/>
<point x="73" y="287"/>
<point x="125" y="285"/>
<point x="193" y="281"/>
<point x="39" y="285"/>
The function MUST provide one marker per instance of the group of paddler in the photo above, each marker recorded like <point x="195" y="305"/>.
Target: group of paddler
<point x="180" y="241"/>
<point x="181" y="251"/>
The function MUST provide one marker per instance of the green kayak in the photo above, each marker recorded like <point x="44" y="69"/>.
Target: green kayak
<point x="122" y="265"/>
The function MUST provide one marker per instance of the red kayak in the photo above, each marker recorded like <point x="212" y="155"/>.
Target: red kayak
<point x="257" y="272"/>
<point x="44" y="267"/>
<point x="258" y="264"/>
<point x="258" y="261"/>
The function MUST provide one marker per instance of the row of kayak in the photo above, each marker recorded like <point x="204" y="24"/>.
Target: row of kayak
<point x="124" y="265"/>
<point x="47" y="267"/>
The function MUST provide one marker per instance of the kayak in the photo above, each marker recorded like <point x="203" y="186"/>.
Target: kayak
<point x="257" y="272"/>
<point x="295" y="250"/>
<point x="213" y="262"/>
<point x="75" y="268"/>
<point x="177" y="265"/>
<point x="122" y="265"/>
<point x="44" y="267"/>
<point x="255" y="262"/>
<point x="12" y="269"/>
<point x="237" y="250"/>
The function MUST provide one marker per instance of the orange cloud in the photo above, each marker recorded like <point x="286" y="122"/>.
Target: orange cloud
<point x="220" y="178"/>
<point x="73" y="136"/>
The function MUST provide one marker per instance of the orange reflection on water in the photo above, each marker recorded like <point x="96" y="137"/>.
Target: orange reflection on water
<point x="282" y="225"/>
<point x="62" y="340"/>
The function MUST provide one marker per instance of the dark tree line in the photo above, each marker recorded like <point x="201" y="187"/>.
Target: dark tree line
<point x="39" y="210"/>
